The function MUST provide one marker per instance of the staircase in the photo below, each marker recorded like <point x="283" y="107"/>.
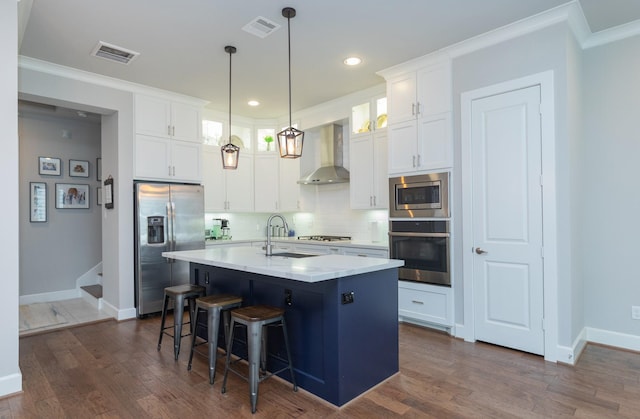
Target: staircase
<point x="93" y="294"/>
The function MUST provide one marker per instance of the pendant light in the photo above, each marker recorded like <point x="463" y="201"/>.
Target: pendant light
<point x="230" y="152"/>
<point x="290" y="139"/>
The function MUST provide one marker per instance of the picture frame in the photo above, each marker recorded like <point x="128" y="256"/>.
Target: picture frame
<point x="37" y="202"/>
<point x="98" y="169"/>
<point x="78" y="168"/>
<point x="99" y="195"/>
<point x="72" y="196"/>
<point x="49" y="166"/>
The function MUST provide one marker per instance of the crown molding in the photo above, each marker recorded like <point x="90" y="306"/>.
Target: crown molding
<point x="612" y="35"/>
<point x="28" y="63"/>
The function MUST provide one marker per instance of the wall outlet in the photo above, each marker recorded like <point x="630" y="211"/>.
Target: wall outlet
<point x="347" y="297"/>
<point x="635" y="312"/>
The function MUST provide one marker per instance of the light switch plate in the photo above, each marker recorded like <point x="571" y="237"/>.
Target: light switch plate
<point x="635" y="312"/>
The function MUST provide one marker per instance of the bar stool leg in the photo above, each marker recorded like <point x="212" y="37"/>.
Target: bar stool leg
<point x="254" y="340"/>
<point x="286" y="345"/>
<point x="194" y="329"/>
<point x="178" y="312"/>
<point x="214" y="326"/>
<point x="164" y="316"/>
<point x="227" y="358"/>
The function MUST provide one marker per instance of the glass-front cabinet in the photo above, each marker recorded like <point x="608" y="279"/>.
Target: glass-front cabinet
<point x="369" y="116"/>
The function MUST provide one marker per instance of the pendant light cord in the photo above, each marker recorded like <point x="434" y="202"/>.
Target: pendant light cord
<point x="230" y="54"/>
<point x="289" y="45"/>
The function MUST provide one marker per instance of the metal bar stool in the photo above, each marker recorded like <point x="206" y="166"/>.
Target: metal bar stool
<point x="179" y="293"/>
<point x="255" y="319"/>
<point x="213" y="305"/>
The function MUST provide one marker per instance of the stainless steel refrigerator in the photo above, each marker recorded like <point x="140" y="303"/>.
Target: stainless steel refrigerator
<point x="168" y="217"/>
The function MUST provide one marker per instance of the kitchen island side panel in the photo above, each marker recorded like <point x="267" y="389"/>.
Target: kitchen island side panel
<point x="339" y="350"/>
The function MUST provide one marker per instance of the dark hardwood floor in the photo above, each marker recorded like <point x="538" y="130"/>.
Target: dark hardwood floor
<point x="113" y="370"/>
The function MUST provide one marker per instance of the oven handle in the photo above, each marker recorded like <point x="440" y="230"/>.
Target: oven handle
<point x="391" y="233"/>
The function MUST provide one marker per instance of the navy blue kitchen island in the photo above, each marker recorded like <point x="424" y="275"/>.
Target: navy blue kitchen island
<point x="341" y="312"/>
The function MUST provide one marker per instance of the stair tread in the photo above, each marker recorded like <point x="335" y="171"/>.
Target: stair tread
<point x="94" y="290"/>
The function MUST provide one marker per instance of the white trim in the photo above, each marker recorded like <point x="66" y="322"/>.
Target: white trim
<point x="546" y="82"/>
<point x="10" y="384"/>
<point x="614" y="34"/>
<point x="570" y="354"/>
<point x="118" y="314"/>
<point x="607" y="337"/>
<point x="50" y="296"/>
<point x="46" y="67"/>
<point x="91" y="277"/>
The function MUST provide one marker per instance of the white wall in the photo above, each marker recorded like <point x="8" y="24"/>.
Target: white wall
<point x="610" y="199"/>
<point x="526" y="55"/>
<point x="10" y="376"/>
<point x="54" y="254"/>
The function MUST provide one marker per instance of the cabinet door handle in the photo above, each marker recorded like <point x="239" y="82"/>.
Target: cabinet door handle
<point x="168" y="129"/>
<point x="173" y="131"/>
<point x="417" y="108"/>
<point x="414" y="160"/>
<point x="413" y="109"/>
<point x="374" y="200"/>
<point x="174" y="170"/>
<point x="370" y="201"/>
<point x="417" y="302"/>
<point x="169" y="171"/>
<point x="419" y="160"/>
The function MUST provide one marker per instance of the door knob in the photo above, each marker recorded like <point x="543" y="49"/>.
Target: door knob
<point x="480" y="251"/>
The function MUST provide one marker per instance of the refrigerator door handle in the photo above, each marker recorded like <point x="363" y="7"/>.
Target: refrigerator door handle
<point x="173" y="226"/>
<point x="169" y="230"/>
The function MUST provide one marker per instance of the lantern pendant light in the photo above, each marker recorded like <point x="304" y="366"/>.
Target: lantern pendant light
<point x="290" y="140"/>
<point x="230" y="152"/>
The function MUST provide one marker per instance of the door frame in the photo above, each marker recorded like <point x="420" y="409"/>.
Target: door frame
<point x="550" y="263"/>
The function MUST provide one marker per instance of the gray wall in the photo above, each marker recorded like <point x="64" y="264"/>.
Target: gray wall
<point x="610" y="202"/>
<point x="53" y="255"/>
<point x="523" y="56"/>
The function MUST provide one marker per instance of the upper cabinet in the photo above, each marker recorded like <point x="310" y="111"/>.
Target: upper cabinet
<point x="167" y="141"/>
<point x="227" y="190"/>
<point x="368" y="172"/>
<point x="369" y="116"/>
<point x="162" y="118"/>
<point x="420" y="134"/>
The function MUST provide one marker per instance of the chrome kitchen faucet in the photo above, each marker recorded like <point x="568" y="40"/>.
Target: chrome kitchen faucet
<point x="269" y="247"/>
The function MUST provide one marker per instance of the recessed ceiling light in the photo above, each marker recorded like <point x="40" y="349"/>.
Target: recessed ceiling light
<point x="352" y="60"/>
<point x="253" y="103"/>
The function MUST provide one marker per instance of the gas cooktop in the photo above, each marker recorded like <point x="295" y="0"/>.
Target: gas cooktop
<point x="322" y="238"/>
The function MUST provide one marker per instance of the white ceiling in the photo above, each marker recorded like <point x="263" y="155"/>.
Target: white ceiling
<point x="181" y="42"/>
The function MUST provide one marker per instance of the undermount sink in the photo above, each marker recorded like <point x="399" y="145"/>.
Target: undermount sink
<point x="293" y="255"/>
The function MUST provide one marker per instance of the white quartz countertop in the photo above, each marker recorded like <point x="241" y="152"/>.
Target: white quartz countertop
<point x="308" y="269"/>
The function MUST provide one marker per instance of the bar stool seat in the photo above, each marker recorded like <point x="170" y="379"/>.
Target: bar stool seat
<point x="255" y="319"/>
<point x="179" y="294"/>
<point x="213" y="305"/>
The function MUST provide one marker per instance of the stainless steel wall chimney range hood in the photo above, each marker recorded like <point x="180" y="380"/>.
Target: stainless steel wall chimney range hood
<point x="331" y="160"/>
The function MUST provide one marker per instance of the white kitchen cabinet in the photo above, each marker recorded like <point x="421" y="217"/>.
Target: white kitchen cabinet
<point x="420" y="134"/>
<point x="368" y="171"/>
<point x="159" y="158"/>
<point x="290" y="192"/>
<point x="424" y="303"/>
<point x="369" y="116"/>
<point x="167" y="144"/>
<point x="421" y="144"/>
<point x="161" y="117"/>
<point x="266" y="182"/>
<point x="227" y="190"/>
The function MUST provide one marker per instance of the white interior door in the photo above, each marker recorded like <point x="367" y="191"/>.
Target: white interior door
<point x="507" y="219"/>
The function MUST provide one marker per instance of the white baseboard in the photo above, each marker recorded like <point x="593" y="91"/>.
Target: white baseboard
<point x="118" y="314"/>
<point x="570" y="354"/>
<point x="619" y="340"/>
<point x="50" y="296"/>
<point x="10" y="384"/>
<point x="91" y="277"/>
<point x="422" y="323"/>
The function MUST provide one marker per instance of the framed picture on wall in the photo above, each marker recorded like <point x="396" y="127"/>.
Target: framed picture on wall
<point x="78" y="168"/>
<point x="37" y="202"/>
<point x="72" y="195"/>
<point x="49" y="166"/>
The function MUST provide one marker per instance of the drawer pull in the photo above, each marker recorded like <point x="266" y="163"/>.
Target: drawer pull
<point x="417" y="302"/>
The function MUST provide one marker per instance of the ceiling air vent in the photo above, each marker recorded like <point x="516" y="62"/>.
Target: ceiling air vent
<point x="261" y="27"/>
<point x="114" y="53"/>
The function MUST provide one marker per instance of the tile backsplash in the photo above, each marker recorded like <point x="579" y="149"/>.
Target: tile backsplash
<point x="332" y="216"/>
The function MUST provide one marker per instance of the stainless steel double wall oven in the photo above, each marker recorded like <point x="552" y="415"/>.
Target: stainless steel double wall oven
<point x="419" y="230"/>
